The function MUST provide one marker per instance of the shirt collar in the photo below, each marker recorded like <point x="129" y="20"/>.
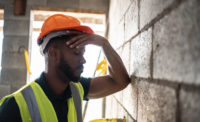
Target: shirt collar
<point x="48" y="91"/>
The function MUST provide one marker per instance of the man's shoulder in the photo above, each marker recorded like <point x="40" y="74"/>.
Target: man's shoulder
<point x="9" y="110"/>
<point x="8" y="101"/>
<point x="85" y="79"/>
<point x="85" y="82"/>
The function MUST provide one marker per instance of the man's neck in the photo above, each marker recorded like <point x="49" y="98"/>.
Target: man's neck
<point x="56" y="84"/>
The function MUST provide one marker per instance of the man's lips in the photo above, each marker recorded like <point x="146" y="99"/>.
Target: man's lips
<point x="80" y="68"/>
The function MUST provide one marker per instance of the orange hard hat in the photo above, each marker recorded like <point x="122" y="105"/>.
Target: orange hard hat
<point x="58" y="22"/>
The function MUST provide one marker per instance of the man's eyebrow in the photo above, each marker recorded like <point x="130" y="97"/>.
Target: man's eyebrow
<point x="82" y="50"/>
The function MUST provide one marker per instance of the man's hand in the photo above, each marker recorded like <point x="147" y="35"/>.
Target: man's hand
<point x="83" y="39"/>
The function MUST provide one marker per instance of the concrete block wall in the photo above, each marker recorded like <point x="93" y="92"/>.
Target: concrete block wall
<point x="159" y="43"/>
<point x="17" y="35"/>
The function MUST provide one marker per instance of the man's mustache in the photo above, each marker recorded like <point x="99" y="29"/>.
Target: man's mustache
<point x="80" y="66"/>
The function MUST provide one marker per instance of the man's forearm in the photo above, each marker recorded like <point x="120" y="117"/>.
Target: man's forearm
<point x="118" y="70"/>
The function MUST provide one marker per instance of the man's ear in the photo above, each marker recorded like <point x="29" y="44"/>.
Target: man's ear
<point x="54" y="54"/>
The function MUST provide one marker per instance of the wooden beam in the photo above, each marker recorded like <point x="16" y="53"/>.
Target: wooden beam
<point x="19" y="7"/>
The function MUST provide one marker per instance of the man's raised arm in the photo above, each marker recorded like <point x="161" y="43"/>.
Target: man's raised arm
<point x="117" y="79"/>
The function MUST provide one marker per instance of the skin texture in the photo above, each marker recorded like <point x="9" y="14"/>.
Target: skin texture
<point x="66" y="60"/>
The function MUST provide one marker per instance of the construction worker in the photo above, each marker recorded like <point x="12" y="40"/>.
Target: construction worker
<point x="57" y="94"/>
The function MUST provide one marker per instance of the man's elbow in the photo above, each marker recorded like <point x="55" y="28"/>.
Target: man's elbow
<point x="125" y="83"/>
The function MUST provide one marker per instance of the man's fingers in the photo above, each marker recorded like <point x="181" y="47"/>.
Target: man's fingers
<point x="79" y="42"/>
<point x="82" y="45"/>
<point x="75" y="39"/>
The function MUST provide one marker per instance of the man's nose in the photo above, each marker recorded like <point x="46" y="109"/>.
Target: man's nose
<point x="83" y="61"/>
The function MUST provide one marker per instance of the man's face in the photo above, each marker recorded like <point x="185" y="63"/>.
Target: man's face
<point x="71" y="62"/>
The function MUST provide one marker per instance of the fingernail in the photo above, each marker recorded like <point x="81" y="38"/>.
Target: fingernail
<point x="67" y="43"/>
<point x="77" y="46"/>
<point x="71" y="46"/>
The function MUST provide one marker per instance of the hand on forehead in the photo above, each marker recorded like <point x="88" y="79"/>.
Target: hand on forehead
<point x="78" y="37"/>
<point x="81" y="39"/>
<point x="77" y="49"/>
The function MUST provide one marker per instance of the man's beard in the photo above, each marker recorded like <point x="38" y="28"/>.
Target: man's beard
<point x="67" y="71"/>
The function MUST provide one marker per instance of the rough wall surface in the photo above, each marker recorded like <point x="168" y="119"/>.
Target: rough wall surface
<point x="17" y="36"/>
<point x="159" y="43"/>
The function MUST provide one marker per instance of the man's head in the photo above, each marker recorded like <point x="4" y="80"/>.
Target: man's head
<point x="67" y="62"/>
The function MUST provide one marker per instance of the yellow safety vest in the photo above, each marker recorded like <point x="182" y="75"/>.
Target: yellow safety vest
<point x="45" y="108"/>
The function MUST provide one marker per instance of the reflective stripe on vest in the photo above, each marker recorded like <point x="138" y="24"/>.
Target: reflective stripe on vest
<point x="32" y="104"/>
<point x="77" y="101"/>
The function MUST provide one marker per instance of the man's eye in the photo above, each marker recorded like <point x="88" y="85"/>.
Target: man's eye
<point x="77" y="53"/>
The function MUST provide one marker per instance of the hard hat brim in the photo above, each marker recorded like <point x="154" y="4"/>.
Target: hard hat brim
<point x="83" y="28"/>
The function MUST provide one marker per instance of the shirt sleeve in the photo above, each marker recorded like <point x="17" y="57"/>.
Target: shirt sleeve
<point x="85" y="82"/>
<point x="9" y="111"/>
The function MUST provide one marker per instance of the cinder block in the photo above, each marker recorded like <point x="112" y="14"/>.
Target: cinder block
<point x="65" y="4"/>
<point x="15" y="44"/>
<point x="13" y="60"/>
<point x="116" y="34"/>
<point x="95" y="5"/>
<point x="149" y="9"/>
<point x="119" y="51"/>
<point x="141" y="48"/>
<point x="156" y="103"/>
<point x="126" y="56"/>
<point x="119" y="96"/>
<point x="130" y="99"/>
<point x="131" y="20"/>
<point x="122" y="113"/>
<point x="4" y="90"/>
<point x="114" y="14"/>
<point x="117" y="10"/>
<point x="16" y="27"/>
<point x="12" y="76"/>
<point x="124" y="5"/>
<point x="111" y="107"/>
<point x="190" y="105"/>
<point x="176" y="44"/>
<point x="115" y="110"/>
<point x="119" y="40"/>
<point x="108" y="106"/>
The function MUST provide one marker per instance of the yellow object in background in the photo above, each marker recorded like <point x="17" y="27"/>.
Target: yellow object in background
<point x="103" y="67"/>
<point x="27" y="61"/>
<point x="109" y="120"/>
